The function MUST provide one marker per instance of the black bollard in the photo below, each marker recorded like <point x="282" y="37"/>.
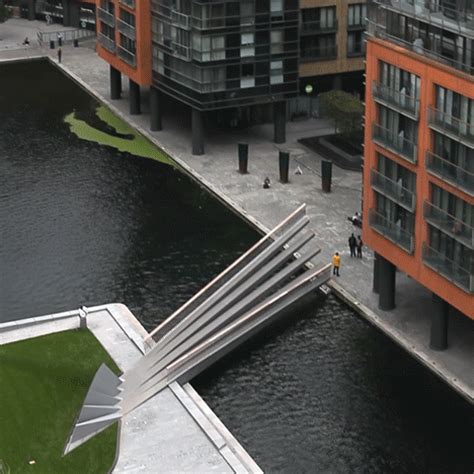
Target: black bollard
<point x="326" y="175"/>
<point x="243" y="158"/>
<point x="284" y="166"/>
<point x="60" y="41"/>
<point x="51" y="44"/>
<point x="76" y="43"/>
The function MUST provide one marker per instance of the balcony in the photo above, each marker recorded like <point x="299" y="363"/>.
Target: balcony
<point x="450" y="172"/>
<point x="315" y="27"/>
<point x="128" y="3"/>
<point x="394" y="142"/>
<point x="106" y="17"/>
<point x="454" y="227"/>
<point x="453" y="127"/>
<point x="401" y="102"/>
<point x="107" y="43"/>
<point x="126" y="56"/>
<point x="181" y="51"/>
<point x="181" y="20"/>
<point x="448" y="268"/>
<point x="126" y="29"/>
<point x="319" y="54"/>
<point x="393" y="190"/>
<point x="391" y="231"/>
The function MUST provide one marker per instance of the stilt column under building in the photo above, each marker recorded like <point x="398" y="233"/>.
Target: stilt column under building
<point x="31" y="10"/>
<point x="386" y="285"/>
<point x="155" y="110"/>
<point x="115" y="83"/>
<point x="66" y="12"/>
<point x="74" y="13"/>
<point x="439" y="324"/>
<point x="134" y="98"/>
<point x="376" y="276"/>
<point x="279" y="122"/>
<point x="197" y="132"/>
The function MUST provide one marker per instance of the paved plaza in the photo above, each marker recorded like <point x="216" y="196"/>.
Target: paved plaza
<point x="408" y="324"/>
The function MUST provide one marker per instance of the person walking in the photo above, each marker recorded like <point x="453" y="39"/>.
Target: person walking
<point x="60" y="54"/>
<point x="359" y="247"/>
<point x="352" y="245"/>
<point x="336" y="262"/>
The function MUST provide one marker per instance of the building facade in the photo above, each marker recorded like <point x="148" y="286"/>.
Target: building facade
<point x="418" y="195"/>
<point x="332" y="44"/>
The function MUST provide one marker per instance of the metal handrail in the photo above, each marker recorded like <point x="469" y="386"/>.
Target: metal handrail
<point x="107" y="42"/>
<point x="126" y="29"/>
<point x="391" y="230"/>
<point x="397" y="98"/>
<point x="126" y="55"/>
<point x="450" y="123"/>
<point x="389" y="139"/>
<point x="317" y="26"/>
<point x="450" y="172"/>
<point x="393" y="189"/>
<point x="106" y="16"/>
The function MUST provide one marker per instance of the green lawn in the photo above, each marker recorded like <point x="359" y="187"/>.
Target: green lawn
<point x="43" y="382"/>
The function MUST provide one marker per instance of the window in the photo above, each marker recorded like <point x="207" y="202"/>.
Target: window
<point x="247" y="76"/>
<point x="318" y="18"/>
<point x="247" y="12"/>
<point x="276" y="40"/>
<point x="276" y="6"/>
<point x="208" y="48"/>
<point x="276" y="72"/>
<point x="399" y="174"/>
<point x="247" y="42"/>
<point x="355" y="43"/>
<point x="356" y="15"/>
<point x="455" y="107"/>
<point x="127" y="17"/>
<point x="399" y="80"/>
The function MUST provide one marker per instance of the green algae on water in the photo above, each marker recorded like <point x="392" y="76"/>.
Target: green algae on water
<point x="130" y="140"/>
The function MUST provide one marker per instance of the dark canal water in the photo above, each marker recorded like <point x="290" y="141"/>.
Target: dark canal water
<point x="82" y="223"/>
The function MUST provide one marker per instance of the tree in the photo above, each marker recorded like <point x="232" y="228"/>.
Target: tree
<point x="344" y="109"/>
<point x="4" y="12"/>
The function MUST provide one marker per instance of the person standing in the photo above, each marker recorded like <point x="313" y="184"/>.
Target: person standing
<point x="336" y="262"/>
<point x="359" y="247"/>
<point x="352" y="245"/>
<point x="60" y="55"/>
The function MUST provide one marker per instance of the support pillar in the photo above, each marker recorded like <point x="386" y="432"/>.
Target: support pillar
<point x="279" y="122"/>
<point x="386" y="284"/>
<point x="134" y="98"/>
<point x="198" y="132"/>
<point x="376" y="275"/>
<point x="74" y="13"/>
<point x="439" y="324"/>
<point x="337" y="82"/>
<point x="115" y="80"/>
<point x="155" y="110"/>
<point x="66" y="12"/>
<point x="31" y="10"/>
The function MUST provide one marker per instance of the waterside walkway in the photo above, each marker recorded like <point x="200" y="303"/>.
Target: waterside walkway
<point x="408" y="324"/>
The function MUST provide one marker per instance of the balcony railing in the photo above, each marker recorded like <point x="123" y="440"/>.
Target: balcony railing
<point x="357" y="49"/>
<point x="126" y="56"/>
<point x="106" y="17"/>
<point x="445" y="122"/>
<point x="126" y="29"/>
<point x="393" y="190"/>
<point x="391" y="231"/>
<point x="314" y="27"/>
<point x="319" y="54"/>
<point x="182" y="51"/>
<point x="449" y="224"/>
<point x="450" y="172"/>
<point x="453" y="271"/>
<point x="128" y="3"/>
<point x="181" y="20"/>
<point x="107" y="43"/>
<point x="394" y="142"/>
<point x="397" y="99"/>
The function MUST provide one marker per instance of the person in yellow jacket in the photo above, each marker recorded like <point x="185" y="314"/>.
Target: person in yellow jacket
<point x="336" y="262"/>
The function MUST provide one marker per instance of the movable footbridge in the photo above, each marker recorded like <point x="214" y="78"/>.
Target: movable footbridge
<point x="261" y="284"/>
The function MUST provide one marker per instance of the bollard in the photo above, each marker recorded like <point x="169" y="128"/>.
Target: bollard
<point x="76" y="43"/>
<point x="60" y="41"/>
<point x="326" y="175"/>
<point x="51" y="44"/>
<point x="243" y="158"/>
<point x="284" y="160"/>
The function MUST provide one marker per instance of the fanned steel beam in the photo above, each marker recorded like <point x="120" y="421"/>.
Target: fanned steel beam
<point x="259" y="285"/>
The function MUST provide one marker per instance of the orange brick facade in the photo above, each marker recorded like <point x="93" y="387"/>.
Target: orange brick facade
<point x="431" y="73"/>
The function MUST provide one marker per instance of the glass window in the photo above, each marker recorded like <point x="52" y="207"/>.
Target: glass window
<point x="276" y="40"/>
<point x="276" y="72"/>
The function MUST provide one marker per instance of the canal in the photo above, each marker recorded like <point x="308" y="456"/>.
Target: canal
<point x="91" y="214"/>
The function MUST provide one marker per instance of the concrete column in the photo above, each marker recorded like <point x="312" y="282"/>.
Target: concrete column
<point x="31" y="10"/>
<point x="198" y="132"/>
<point x="279" y="122"/>
<point x="115" y="80"/>
<point x="74" y="13"/>
<point x="386" y="284"/>
<point x="66" y="12"/>
<point x="439" y="324"/>
<point x="376" y="276"/>
<point x="134" y="98"/>
<point x="337" y="82"/>
<point x="155" y="110"/>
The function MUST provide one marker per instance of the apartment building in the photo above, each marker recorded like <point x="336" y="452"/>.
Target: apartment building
<point x="418" y="193"/>
<point x="332" y="44"/>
